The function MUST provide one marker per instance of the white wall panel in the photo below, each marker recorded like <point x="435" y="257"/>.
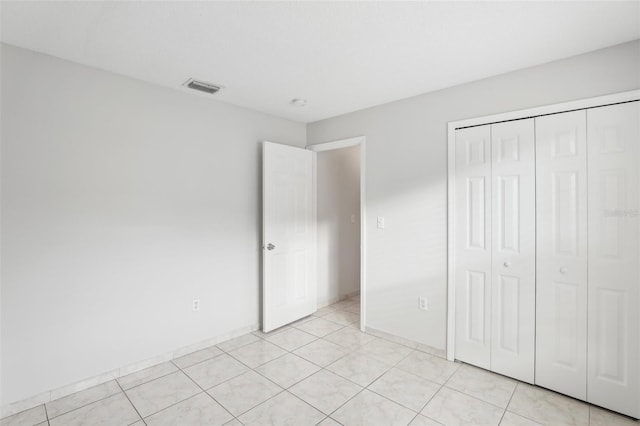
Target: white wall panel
<point x="473" y="245"/>
<point x="561" y="288"/>
<point x="614" y="258"/>
<point x="513" y="251"/>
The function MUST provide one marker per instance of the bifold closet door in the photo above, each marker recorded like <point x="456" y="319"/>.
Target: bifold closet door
<point x="472" y="221"/>
<point x="613" y="378"/>
<point x="561" y="290"/>
<point x="513" y="249"/>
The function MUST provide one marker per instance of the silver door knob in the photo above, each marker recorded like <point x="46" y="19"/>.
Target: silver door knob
<point x="270" y="246"/>
<point x="507" y="264"/>
<point x="563" y="270"/>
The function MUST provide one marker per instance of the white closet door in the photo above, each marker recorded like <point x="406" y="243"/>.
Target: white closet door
<point x="614" y="262"/>
<point x="561" y="290"/>
<point x="513" y="240"/>
<point x="473" y="245"/>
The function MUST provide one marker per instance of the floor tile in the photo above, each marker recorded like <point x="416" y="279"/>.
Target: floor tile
<point x="244" y="392"/>
<point x="405" y="388"/>
<point x="257" y="353"/>
<point x="353" y="308"/>
<point x="601" y="417"/>
<point x="197" y="410"/>
<point x="146" y="375"/>
<point x="452" y="408"/>
<point x="358" y="368"/>
<point x="483" y="384"/>
<point x="319" y="327"/>
<point x="197" y="356"/>
<point x="238" y="342"/>
<point x="384" y="351"/>
<point x="428" y="366"/>
<point x="158" y="394"/>
<point x="329" y="422"/>
<point x="215" y="371"/>
<point x="349" y="338"/>
<point x="321" y="352"/>
<point x="512" y="419"/>
<point x="368" y="408"/>
<point x="544" y="406"/>
<point x="287" y="370"/>
<point x="323" y="311"/>
<point x="342" y="304"/>
<point x="342" y="317"/>
<point x="82" y="398"/>
<point x="28" y="417"/>
<point x="421" y="420"/>
<point x="115" y="410"/>
<point x="263" y="335"/>
<point x="325" y="391"/>
<point x="291" y="339"/>
<point x="284" y="410"/>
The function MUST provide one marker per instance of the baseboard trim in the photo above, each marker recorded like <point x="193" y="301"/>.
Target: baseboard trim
<point x="53" y="394"/>
<point x="407" y="342"/>
<point x="327" y="302"/>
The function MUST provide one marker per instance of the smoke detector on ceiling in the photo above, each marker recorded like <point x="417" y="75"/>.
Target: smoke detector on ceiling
<point x="299" y="102"/>
<point x="202" y="86"/>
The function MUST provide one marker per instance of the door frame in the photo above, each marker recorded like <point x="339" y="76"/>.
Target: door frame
<point x="347" y="143"/>
<point x="452" y="126"/>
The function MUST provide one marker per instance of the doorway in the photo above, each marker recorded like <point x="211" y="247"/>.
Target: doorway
<point x="340" y="183"/>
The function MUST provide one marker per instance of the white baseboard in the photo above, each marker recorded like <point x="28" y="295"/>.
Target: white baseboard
<point x="327" y="302"/>
<point x="48" y="396"/>
<point x="406" y="342"/>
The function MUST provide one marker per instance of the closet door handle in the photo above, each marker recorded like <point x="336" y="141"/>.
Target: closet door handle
<point x="507" y="264"/>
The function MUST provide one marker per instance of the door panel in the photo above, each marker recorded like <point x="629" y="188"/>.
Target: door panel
<point x="473" y="245"/>
<point x="614" y="258"/>
<point x="561" y="252"/>
<point x="289" y="276"/>
<point x="513" y="255"/>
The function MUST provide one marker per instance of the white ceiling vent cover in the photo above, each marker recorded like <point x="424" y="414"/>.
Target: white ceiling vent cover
<point x="202" y="86"/>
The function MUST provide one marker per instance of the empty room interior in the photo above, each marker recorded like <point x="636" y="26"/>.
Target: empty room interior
<point x="320" y="213"/>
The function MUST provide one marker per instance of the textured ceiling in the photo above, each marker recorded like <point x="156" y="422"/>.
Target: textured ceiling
<point x="340" y="56"/>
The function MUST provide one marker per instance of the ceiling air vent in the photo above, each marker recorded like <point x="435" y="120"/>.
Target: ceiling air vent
<point x="202" y="86"/>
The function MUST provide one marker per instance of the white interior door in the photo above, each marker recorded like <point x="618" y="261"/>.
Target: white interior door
<point x="561" y="300"/>
<point x="473" y="245"/>
<point x="289" y="247"/>
<point x="614" y="262"/>
<point x="513" y="280"/>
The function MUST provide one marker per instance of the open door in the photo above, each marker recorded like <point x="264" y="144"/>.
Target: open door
<point x="289" y="235"/>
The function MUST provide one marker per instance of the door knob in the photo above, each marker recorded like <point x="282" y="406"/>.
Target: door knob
<point x="507" y="264"/>
<point x="270" y="246"/>
<point x="563" y="270"/>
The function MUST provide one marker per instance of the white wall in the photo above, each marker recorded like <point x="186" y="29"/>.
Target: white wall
<point x="121" y="202"/>
<point x="406" y="175"/>
<point x="338" y="189"/>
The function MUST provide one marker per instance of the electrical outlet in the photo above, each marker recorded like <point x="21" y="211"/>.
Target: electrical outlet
<point x="380" y="222"/>
<point x="423" y="303"/>
<point x="196" y="305"/>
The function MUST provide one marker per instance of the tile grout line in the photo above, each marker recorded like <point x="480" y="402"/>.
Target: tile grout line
<point x="203" y="391"/>
<point x="515" y="388"/>
<point x="132" y="404"/>
<point x="81" y="406"/>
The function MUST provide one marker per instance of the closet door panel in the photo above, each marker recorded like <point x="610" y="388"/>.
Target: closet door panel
<point x="561" y="253"/>
<point x="473" y="245"/>
<point x="513" y="254"/>
<point x="614" y="258"/>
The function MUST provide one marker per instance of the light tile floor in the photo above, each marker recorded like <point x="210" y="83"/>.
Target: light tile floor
<point x="320" y="370"/>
